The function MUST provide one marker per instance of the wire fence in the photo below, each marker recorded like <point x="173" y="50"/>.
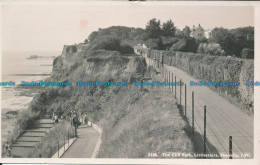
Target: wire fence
<point x="61" y="144"/>
<point x="202" y="118"/>
<point x="64" y="144"/>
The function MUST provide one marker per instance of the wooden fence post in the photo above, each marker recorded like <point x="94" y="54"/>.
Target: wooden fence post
<point x="58" y="149"/>
<point x="68" y="139"/>
<point x="172" y="82"/>
<point x="192" y="112"/>
<point x="180" y="91"/>
<point x="75" y="131"/>
<point x="230" y="147"/>
<point x="175" y="88"/>
<point x="169" y="80"/>
<point x="64" y="144"/>
<point x="205" y="120"/>
<point x="185" y="100"/>
<point x="166" y="74"/>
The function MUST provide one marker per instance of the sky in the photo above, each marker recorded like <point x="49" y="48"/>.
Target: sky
<point x="49" y="26"/>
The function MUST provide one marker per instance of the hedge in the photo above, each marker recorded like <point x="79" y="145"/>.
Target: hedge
<point x="216" y="69"/>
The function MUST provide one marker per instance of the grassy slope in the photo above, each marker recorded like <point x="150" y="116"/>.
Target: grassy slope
<point x="48" y="145"/>
<point x="139" y="122"/>
<point x="134" y="122"/>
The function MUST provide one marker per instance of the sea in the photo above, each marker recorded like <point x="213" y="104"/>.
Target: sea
<point x="17" y="67"/>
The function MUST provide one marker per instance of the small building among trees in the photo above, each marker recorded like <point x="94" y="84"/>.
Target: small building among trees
<point x="199" y="32"/>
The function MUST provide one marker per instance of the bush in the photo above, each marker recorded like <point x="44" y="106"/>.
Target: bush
<point x="110" y="43"/>
<point x="185" y="45"/>
<point x="126" y="49"/>
<point x="153" y="43"/>
<point x="247" y="53"/>
<point x="179" y="46"/>
<point x="105" y="42"/>
<point x="169" y="41"/>
<point x="211" y="49"/>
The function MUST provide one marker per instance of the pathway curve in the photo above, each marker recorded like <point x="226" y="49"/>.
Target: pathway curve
<point x="84" y="145"/>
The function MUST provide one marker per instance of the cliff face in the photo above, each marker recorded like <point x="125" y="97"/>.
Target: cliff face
<point x="96" y="64"/>
<point x="78" y="63"/>
<point x="125" y="113"/>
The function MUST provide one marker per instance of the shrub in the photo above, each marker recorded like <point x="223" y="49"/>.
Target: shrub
<point x="179" y="46"/>
<point x="247" y="53"/>
<point x="105" y="42"/>
<point x="153" y="43"/>
<point x="185" y="45"/>
<point x="169" y="41"/>
<point x="126" y="49"/>
<point x="211" y="49"/>
<point x="110" y="43"/>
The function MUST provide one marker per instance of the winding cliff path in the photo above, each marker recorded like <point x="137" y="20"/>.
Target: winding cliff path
<point x="223" y="118"/>
<point x="84" y="145"/>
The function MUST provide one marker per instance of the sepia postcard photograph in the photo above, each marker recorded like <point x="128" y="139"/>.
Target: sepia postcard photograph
<point x="129" y="81"/>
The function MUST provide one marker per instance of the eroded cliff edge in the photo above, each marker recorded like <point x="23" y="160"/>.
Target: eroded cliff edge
<point x="135" y="122"/>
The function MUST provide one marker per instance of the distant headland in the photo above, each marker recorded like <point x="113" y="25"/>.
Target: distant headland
<point x="37" y="57"/>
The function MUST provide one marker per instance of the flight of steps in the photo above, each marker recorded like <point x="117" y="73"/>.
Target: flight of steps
<point x="26" y="142"/>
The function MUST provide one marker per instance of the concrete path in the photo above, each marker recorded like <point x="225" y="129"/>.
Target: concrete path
<point x="223" y="119"/>
<point x="64" y="148"/>
<point x="84" y="145"/>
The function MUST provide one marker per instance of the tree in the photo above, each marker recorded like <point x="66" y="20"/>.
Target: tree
<point x="179" y="33"/>
<point x="186" y="31"/>
<point x="160" y="43"/>
<point x="126" y="49"/>
<point x="225" y="39"/>
<point x="211" y="49"/>
<point x="247" y="53"/>
<point x="92" y="36"/>
<point x="185" y="45"/>
<point x="153" y="28"/>
<point x="154" y="43"/>
<point x="168" y="29"/>
<point x="243" y="38"/>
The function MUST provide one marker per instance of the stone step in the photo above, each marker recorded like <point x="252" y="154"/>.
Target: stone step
<point x="28" y="139"/>
<point x="37" y="130"/>
<point x="24" y="144"/>
<point x="32" y="134"/>
<point x="44" y="121"/>
<point x="41" y="125"/>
